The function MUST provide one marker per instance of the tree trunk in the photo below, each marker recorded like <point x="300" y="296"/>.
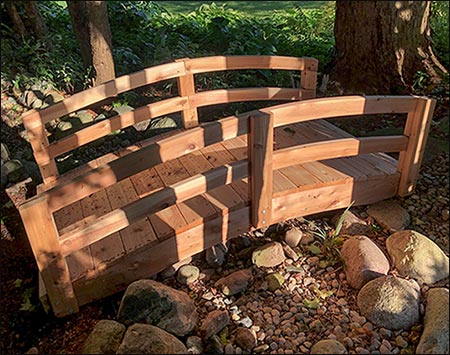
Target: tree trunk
<point x="91" y="25"/>
<point x="35" y="19"/>
<point x="382" y="45"/>
<point x="15" y="18"/>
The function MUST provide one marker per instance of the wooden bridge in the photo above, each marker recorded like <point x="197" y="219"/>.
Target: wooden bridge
<point x="130" y="214"/>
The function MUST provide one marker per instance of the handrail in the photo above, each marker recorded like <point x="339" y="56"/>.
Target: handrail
<point x="183" y="70"/>
<point x="337" y="148"/>
<point x="135" y="211"/>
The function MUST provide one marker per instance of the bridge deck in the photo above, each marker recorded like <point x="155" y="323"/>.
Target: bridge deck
<point x="172" y="221"/>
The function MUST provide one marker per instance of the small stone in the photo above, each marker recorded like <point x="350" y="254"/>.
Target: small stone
<point x="33" y="350"/>
<point x="14" y="170"/>
<point x="351" y="224"/>
<point x="236" y="282"/>
<point x="105" y="338"/>
<point x="293" y="236"/>
<point x="307" y="239"/>
<point x="245" y="322"/>
<point x="445" y="214"/>
<point x="390" y="215"/>
<point x="401" y="342"/>
<point x="172" y="270"/>
<point x="215" y="256"/>
<point x="214" y="322"/>
<point x="229" y="349"/>
<point x="261" y="348"/>
<point x="215" y="345"/>
<point x="274" y="281"/>
<point x="328" y="346"/>
<point x="194" y="345"/>
<point x="269" y="255"/>
<point x="187" y="274"/>
<point x="245" y="338"/>
<point x="291" y="254"/>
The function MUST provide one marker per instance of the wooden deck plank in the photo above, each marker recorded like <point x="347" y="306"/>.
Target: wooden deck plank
<point x="138" y="234"/>
<point x="110" y="248"/>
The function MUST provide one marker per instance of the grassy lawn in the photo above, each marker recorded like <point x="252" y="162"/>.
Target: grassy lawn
<point x="258" y="8"/>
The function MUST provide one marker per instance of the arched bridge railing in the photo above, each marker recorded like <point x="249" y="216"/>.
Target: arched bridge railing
<point x="186" y="102"/>
<point x="50" y="248"/>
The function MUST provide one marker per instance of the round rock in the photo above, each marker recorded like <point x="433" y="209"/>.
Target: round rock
<point x="363" y="261"/>
<point x="214" y="322"/>
<point x="416" y="256"/>
<point x="351" y="224"/>
<point x="293" y="236"/>
<point x="188" y="274"/>
<point x="328" y="346"/>
<point x="390" y="215"/>
<point x="105" y="338"/>
<point x="390" y="302"/>
<point x="245" y="338"/>
<point x="269" y="255"/>
<point x="234" y="283"/>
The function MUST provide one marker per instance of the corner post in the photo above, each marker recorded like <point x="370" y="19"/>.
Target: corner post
<point x="39" y="143"/>
<point x="308" y="78"/>
<point x="417" y="127"/>
<point x="260" y="145"/>
<point x="44" y="240"/>
<point x="186" y="87"/>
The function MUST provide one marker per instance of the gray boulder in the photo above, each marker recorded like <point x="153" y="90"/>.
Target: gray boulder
<point x="157" y="304"/>
<point x="214" y="322"/>
<point x="416" y="256"/>
<point x="390" y="215"/>
<point x="269" y="255"/>
<point x="328" y="346"/>
<point x="188" y="274"/>
<point x="147" y="339"/>
<point x="435" y="336"/>
<point x="245" y="338"/>
<point x="234" y="283"/>
<point x="105" y="338"/>
<point x="351" y="225"/>
<point x="363" y="261"/>
<point x="390" y="302"/>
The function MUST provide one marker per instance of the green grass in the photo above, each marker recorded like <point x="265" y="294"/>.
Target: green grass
<point x="257" y="8"/>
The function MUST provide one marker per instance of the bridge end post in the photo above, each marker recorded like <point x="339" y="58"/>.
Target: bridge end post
<point x="417" y="127"/>
<point x="186" y="87"/>
<point x="260" y="145"/>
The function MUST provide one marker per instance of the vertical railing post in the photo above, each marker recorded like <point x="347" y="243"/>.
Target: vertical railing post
<point x="416" y="129"/>
<point x="186" y="87"/>
<point x="308" y="78"/>
<point x="44" y="240"/>
<point x="39" y="143"/>
<point x="260" y="145"/>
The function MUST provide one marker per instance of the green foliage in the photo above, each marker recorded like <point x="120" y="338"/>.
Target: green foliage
<point x="440" y="28"/>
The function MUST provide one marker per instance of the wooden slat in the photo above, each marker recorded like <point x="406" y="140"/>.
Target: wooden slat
<point x="186" y="87"/>
<point x="106" y="126"/>
<point x="261" y="172"/>
<point x="153" y="260"/>
<point x="43" y="237"/>
<point x="338" y="107"/>
<point x="417" y="128"/>
<point x="218" y="63"/>
<point x="331" y="197"/>
<point x="221" y="96"/>
<point x="121" y="218"/>
<point x="337" y="148"/>
<point x="110" y="89"/>
<point x="156" y="153"/>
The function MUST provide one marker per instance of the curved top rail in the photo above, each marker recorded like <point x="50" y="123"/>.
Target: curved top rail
<point x="167" y="71"/>
<point x="218" y="63"/>
<point x="339" y="106"/>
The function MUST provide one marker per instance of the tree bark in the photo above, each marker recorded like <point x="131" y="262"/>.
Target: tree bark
<point x="382" y="45"/>
<point x="91" y="26"/>
<point x="36" y="22"/>
<point x="15" y="18"/>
